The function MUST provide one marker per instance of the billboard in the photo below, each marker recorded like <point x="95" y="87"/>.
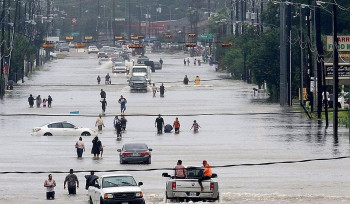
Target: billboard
<point x="343" y="43"/>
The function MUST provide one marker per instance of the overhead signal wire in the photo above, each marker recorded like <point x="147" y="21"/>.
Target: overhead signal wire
<point x="164" y="169"/>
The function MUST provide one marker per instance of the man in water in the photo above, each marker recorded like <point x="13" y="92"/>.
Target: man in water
<point x="159" y="123"/>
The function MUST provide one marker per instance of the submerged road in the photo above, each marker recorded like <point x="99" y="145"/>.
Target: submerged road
<point x="236" y="128"/>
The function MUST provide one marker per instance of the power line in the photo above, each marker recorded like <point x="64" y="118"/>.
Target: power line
<point x="158" y="169"/>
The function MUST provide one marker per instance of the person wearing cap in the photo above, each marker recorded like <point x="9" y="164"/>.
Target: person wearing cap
<point x="73" y="182"/>
<point x="180" y="171"/>
<point x="122" y="102"/>
<point x="207" y="173"/>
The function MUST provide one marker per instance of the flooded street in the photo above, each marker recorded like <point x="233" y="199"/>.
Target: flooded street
<point x="236" y="128"/>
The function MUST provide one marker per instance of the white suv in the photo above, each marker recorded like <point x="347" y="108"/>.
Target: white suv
<point x="116" y="188"/>
<point x="92" y="49"/>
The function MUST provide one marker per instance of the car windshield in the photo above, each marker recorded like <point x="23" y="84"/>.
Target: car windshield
<point x="129" y="147"/>
<point x="139" y="70"/>
<point x="104" y="59"/>
<point x="138" y="78"/>
<point x="118" y="181"/>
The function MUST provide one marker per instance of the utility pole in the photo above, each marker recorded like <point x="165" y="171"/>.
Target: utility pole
<point x="237" y="17"/>
<point x="2" y="80"/>
<point x="301" y="60"/>
<point x="129" y="19"/>
<point x="319" y="65"/>
<point x="310" y="72"/>
<point x="335" y="70"/>
<point x="284" y="54"/>
<point x="231" y="19"/>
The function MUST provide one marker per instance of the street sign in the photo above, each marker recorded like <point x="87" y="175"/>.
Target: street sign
<point x="191" y="44"/>
<point x="226" y="44"/>
<point x="136" y="46"/>
<point x="69" y="38"/>
<point x="88" y="38"/>
<point x="75" y="34"/>
<point x="206" y="37"/>
<point x="343" y="43"/>
<point x="118" y="37"/>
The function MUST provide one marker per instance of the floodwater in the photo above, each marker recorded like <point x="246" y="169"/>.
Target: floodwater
<point x="236" y="128"/>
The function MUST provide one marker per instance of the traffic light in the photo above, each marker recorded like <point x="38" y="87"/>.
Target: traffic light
<point x="118" y="37"/>
<point x="69" y="38"/>
<point x="168" y="36"/>
<point x="191" y="35"/>
<point x="88" y="38"/>
<point x="226" y="44"/>
<point x="136" y="46"/>
<point x="191" y="44"/>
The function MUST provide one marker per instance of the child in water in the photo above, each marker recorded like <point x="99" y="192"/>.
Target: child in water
<point x="195" y="126"/>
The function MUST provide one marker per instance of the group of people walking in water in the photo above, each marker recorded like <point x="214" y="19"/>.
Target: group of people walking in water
<point x="195" y="62"/>
<point x="159" y="124"/>
<point x="39" y="101"/>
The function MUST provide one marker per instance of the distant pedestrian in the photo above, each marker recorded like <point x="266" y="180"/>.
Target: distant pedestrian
<point x="199" y="62"/>
<point x="195" y="126"/>
<point x="161" y="90"/>
<point x="104" y="104"/>
<point x="119" y="128"/>
<point x="99" y="123"/>
<point x="107" y="79"/>
<point x="194" y="62"/>
<point x="98" y="79"/>
<point x="184" y="62"/>
<point x="188" y="61"/>
<point x="38" y="101"/>
<point x="122" y="101"/>
<point x="96" y="147"/>
<point x="115" y="121"/>
<point x="159" y="123"/>
<point x="49" y="101"/>
<point x="103" y="94"/>
<point x="154" y="90"/>
<point x="176" y="125"/>
<point x="73" y="182"/>
<point x="186" y="80"/>
<point x="197" y="80"/>
<point x="123" y="121"/>
<point x="161" y="62"/>
<point x="44" y="103"/>
<point x="50" y="187"/>
<point x="90" y="180"/>
<point x="79" y="145"/>
<point x="31" y="101"/>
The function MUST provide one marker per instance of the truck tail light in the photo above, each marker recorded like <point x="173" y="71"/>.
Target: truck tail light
<point x="173" y="185"/>
<point x="211" y="186"/>
<point x="144" y="153"/>
<point x="126" y="154"/>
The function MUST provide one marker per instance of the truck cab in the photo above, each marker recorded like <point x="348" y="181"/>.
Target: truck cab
<point x="141" y="70"/>
<point x="188" y="189"/>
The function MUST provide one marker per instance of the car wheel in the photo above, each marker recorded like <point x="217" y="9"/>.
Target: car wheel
<point x="122" y="162"/>
<point x="85" y="134"/>
<point x="47" y="134"/>
<point x="149" y="161"/>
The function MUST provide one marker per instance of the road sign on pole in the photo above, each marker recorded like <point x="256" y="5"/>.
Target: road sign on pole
<point x="206" y="37"/>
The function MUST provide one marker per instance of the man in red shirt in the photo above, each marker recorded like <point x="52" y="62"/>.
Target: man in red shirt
<point x="176" y="125"/>
<point x="207" y="173"/>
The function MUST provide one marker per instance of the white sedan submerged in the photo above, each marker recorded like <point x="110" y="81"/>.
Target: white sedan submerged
<point x="62" y="129"/>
